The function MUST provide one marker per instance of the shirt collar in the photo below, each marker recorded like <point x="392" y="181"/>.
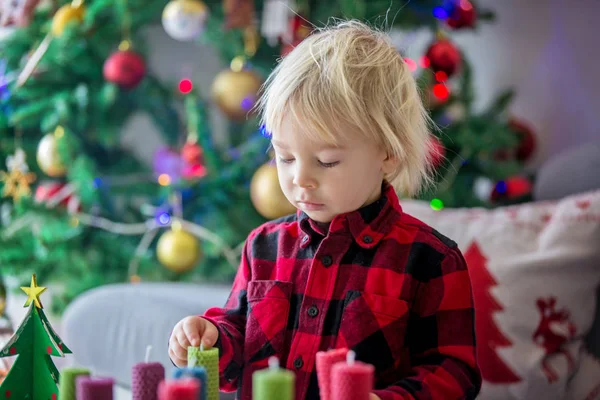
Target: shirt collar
<point x="367" y="225"/>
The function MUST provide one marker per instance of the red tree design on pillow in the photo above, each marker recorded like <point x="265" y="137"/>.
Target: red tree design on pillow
<point x="489" y="336"/>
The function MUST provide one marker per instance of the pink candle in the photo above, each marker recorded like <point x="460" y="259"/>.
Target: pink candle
<point x="145" y="378"/>
<point x="352" y="380"/>
<point x="180" y="389"/>
<point x="324" y="363"/>
<point x="89" y="388"/>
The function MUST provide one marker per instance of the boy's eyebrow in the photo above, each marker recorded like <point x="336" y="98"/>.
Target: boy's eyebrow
<point x="282" y="145"/>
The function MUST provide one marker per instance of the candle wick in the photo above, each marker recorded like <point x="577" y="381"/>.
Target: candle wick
<point x="148" y="351"/>
<point x="201" y="346"/>
<point x="273" y="363"/>
<point x="351" y="357"/>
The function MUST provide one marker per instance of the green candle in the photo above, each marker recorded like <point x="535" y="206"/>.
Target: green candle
<point x="209" y="359"/>
<point x="273" y="383"/>
<point x="67" y="378"/>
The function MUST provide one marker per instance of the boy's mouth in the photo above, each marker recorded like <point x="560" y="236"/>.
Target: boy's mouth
<point x="310" y="206"/>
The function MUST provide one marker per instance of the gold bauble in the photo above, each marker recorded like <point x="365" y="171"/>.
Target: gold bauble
<point x="266" y="194"/>
<point x="48" y="158"/>
<point x="235" y="92"/>
<point x="178" y="250"/>
<point x="64" y="15"/>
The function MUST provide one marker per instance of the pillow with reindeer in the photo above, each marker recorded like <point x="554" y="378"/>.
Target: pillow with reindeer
<point x="535" y="269"/>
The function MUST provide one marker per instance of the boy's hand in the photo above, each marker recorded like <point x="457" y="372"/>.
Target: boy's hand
<point x="190" y="331"/>
<point x="374" y="397"/>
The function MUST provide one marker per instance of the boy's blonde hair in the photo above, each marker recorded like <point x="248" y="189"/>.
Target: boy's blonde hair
<point x="350" y="78"/>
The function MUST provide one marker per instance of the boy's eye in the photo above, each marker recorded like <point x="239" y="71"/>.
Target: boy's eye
<point x="286" y="160"/>
<point x="329" y="164"/>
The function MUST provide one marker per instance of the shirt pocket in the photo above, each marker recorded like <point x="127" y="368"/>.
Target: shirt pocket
<point x="268" y="313"/>
<point x="369" y="318"/>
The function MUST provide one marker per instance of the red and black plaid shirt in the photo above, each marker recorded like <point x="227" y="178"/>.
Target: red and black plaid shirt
<point x="378" y="281"/>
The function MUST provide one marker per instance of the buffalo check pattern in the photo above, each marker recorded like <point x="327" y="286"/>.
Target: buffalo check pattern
<point x="377" y="281"/>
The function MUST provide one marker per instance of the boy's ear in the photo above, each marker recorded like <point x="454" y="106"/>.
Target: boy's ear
<point x="390" y="163"/>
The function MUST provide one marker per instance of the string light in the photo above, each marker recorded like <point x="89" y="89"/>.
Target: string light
<point x="501" y="187"/>
<point x="441" y="91"/>
<point x="185" y="86"/>
<point x="440" y="12"/>
<point x="436" y="204"/>
<point x="424" y="62"/>
<point x="441" y="76"/>
<point x="412" y="65"/>
<point x="164" y="180"/>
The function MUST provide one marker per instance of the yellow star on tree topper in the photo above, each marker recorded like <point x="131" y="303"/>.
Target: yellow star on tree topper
<point x="34" y="291"/>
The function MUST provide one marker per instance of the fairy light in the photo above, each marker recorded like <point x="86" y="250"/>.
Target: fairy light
<point x="185" y="86"/>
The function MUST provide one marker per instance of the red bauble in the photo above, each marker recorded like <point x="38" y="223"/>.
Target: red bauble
<point x="125" y="68"/>
<point x="192" y="155"/>
<point x="47" y="190"/>
<point x="437" y="152"/>
<point x="527" y="140"/>
<point x="444" y="56"/>
<point x="462" y="16"/>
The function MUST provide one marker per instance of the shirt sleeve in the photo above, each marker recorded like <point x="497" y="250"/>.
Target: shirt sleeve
<point x="231" y="324"/>
<point x="441" y="337"/>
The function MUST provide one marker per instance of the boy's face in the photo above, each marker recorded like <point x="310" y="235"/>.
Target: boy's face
<point x="324" y="181"/>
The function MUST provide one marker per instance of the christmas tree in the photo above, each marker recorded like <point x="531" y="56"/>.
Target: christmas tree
<point x="33" y="374"/>
<point x="71" y="74"/>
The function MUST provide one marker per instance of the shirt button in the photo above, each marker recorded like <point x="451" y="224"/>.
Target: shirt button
<point x="313" y="311"/>
<point x="367" y="239"/>
<point x="305" y="239"/>
<point x="327" y="261"/>
<point x="298" y="363"/>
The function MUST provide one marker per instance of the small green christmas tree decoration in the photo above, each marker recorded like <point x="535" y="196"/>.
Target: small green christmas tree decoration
<point x="33" y="375"/>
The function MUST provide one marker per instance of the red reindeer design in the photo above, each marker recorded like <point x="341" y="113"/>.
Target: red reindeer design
<point x="553" y="331"/>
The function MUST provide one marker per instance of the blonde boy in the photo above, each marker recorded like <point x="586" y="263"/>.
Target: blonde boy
<point x="350" y="268"/>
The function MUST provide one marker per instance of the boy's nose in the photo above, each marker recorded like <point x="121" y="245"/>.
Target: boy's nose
<point x="303" y="179"/>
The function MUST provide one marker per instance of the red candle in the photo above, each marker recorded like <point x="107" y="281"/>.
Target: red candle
<point x="352" y="380"/>
<point x="181" y="389"/>
<point x="325" y="361"/>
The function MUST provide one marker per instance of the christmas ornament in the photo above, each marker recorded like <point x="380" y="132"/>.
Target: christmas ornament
<point x="462" y="15"/>
<point x="275" y="20"/>
<point x="298" y="31"/>
<point x="46" y="191"/>
<point x="178" y="250"/>
<point x="266" y="194"/>
<point x="184" y="19"/>
<point x="73" y="12"/>
<point x="437" y="152"/>
<point x="126" y="68"/>
<point x="18" y="178"/>
<point x="192" y="155"/>
<point x="48" y="157"/>
<point x="444" y="56"/>
<point x="238" y="13"/>
<point x="235" y="92"/>
<point x="33" y="374"/>
<point x="527" y="139"/>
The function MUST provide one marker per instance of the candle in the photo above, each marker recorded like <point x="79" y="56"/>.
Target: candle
<point x="209" y="359"/>
<point x="273" y="383"/>
<point x="198" y="373"/>
<point x="66" y="389"/>
<point x="182" y="389"/>
<point x="145" y="378"/>
<point x="352" y="379"/>
<point x="89" y="388"/>
<point x="324" y="363"/>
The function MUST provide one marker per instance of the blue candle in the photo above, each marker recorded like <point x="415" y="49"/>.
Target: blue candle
<point x="198" y="373"/>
